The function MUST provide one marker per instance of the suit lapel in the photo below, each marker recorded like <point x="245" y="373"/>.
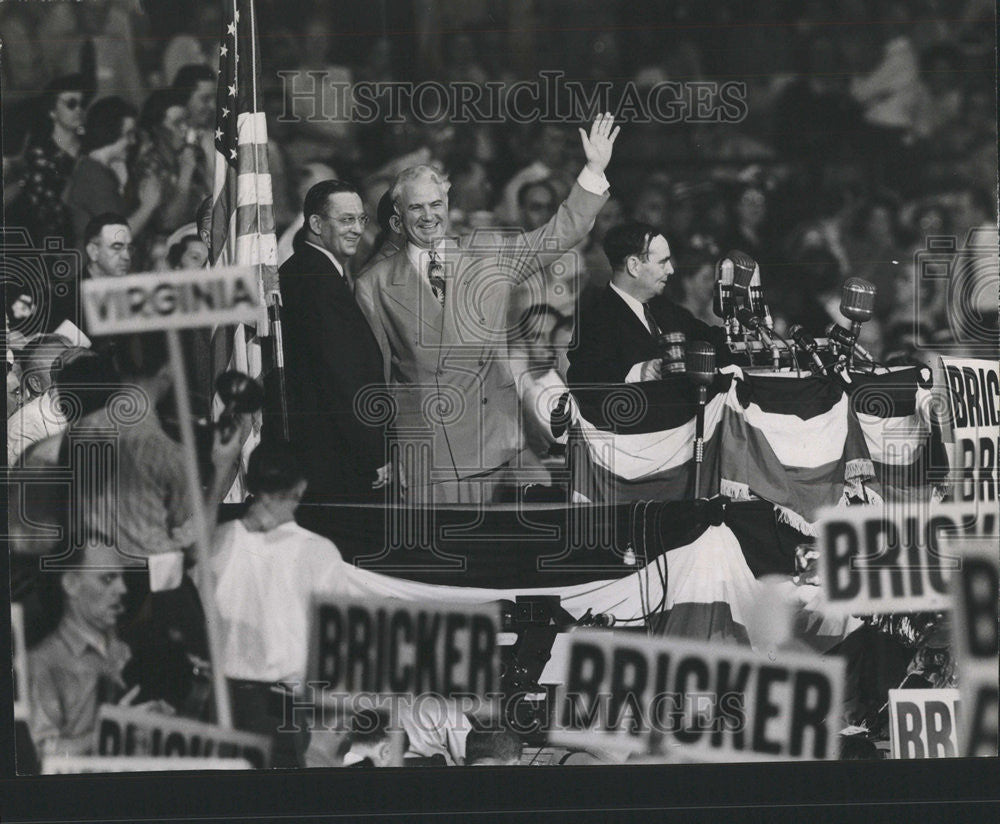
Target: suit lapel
<point x="627" y="318"/>
<point x="411" y="294"/>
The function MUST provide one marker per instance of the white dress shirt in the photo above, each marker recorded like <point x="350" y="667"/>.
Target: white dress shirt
<point x="262" y="583"/>
<point x="635" y="373"/>
<point x="33" y="422"/>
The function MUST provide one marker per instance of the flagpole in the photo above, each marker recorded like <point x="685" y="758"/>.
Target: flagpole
<point x="274" y="312"/>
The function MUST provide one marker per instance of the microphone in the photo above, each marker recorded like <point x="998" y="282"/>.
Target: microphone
<point x="807" y="343"/>
<point x="700" y="362"/>
<point x="857" y="299"/>
<point x="846" y="339"/>
<point x="722" y="296"/>
<point x="744" y="268"/>
<point x="671" y="348"/>
<point x="751" y="321"/>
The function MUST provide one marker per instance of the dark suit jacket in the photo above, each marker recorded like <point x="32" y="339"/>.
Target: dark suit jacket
<point x="330" y="355"/>
<point x="611" y="339"/>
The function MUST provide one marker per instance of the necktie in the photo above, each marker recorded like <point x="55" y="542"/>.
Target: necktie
<point x="435" y="274"/>
<point x="654" y="327"/>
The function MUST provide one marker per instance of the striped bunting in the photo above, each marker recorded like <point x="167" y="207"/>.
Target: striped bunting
<point x="799" y="443"/>
<point x="697" y="571"/>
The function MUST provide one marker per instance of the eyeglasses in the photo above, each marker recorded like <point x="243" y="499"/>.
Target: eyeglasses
<point x="349" y="220"/>
<point x="72" y="103"/>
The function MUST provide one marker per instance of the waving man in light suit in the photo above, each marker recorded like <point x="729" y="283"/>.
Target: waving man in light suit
<point x="438" y="308"/>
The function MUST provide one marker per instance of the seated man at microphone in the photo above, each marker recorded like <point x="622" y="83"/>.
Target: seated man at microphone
<point x="619" y="332"/>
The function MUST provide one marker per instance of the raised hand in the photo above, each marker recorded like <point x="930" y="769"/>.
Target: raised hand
<point x="597" y="145"/>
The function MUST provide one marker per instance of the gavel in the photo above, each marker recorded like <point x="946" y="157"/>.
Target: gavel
<point x="671" y="346"/>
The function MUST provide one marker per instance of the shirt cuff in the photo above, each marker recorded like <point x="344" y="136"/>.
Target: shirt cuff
<point x="634" y="374"/>
<point x="593" y="183"/>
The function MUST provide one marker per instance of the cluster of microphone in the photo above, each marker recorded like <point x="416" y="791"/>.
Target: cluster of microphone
<point x="739" y="302"/>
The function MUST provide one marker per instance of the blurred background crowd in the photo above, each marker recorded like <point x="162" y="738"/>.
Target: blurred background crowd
<point x="870" y="126"/>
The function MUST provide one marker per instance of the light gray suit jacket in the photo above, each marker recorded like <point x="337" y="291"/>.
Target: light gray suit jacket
<point x="457" y="407"/>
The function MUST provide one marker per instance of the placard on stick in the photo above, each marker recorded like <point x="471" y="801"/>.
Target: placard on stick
<point x="388" y="646"/>
<point x="134" y="732"/>
<point x="667" y="697"/>
<point x="20" y="659"/>
<point x="924" y="723"/>
<point x="976" y="592"/>
<point x="974" y="399"/>
<point x="154" y="301"/>
<point x="894" y="558"/>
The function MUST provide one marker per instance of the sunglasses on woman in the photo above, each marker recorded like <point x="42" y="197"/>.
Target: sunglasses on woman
<point x="72" y="103"/>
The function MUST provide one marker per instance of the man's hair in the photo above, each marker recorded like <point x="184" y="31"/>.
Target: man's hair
<point x="156" y="105"/>
<point x="274" y="466"/>
<point x="416" y="173"/>
<point x="140" y="355"/>
<point x="103" y="123"/>
<point x="38" y="351"/>
<point x="630" y="238"/>
<point x="85" y="376"/>
<point x="369" y="727"/>
<point x="188" y="77"/>
<point x="316" y="198"/>
<point x="385" y="211"/>
<point x="501" y="745"/>
<point x="176" y="252"/>
<point x="522" y="192"/>
<point x="97" y="223"/>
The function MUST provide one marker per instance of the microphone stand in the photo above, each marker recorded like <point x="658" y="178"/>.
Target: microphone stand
<point x="699" y="438"/>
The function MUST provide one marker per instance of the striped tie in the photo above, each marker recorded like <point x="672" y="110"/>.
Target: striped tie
<point x="435" y="274"/>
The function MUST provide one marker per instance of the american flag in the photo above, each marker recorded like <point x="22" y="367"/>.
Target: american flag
<point x="242" y="214"/>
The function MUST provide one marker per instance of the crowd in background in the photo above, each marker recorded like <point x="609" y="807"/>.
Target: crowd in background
<point x="870" y="127"/>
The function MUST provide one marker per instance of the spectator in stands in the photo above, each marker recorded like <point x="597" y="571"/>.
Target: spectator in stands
<point x="172" y="158"/>
<point x="492" y="748"/>
<point x="196" y="82"/>
<point x="154" y="506"/>
<point x="190" y="252"/>
<point x="39" y="416"/>
<point x="79" y="667"/>
<point x="264" y="570"/>
<point x="595" y="262"/>
<point x="371" y="743"/>
<point x="875" y="250"/>
<point x="549" y="148"/>
<point x="96" y="184"/>
<point x="749" y="229"/>
<point x="108" y="243"/>
<point x="390" y="239"/>
<point x="694" y="283"/>
<point x="53" y="146"/>
<point x="652" y="204"/>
